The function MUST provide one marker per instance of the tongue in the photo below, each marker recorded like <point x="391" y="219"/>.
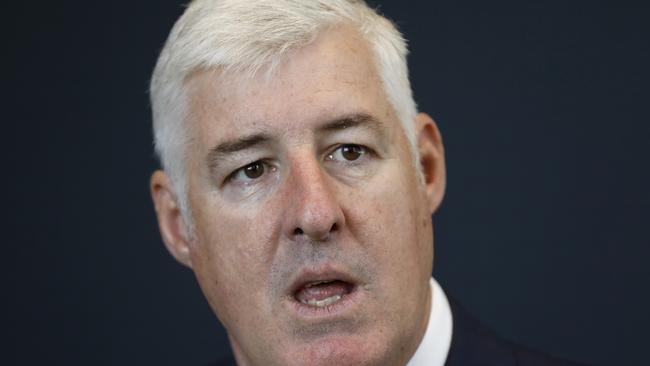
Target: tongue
<point x="322" y="291"/>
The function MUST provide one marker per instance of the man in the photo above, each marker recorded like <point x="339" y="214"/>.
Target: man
<point x="299" y="183"/>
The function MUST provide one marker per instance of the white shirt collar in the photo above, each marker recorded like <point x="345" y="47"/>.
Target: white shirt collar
<point x="434" y="347"/>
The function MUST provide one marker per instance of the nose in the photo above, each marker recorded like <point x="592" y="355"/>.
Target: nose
<point x="315" y="211"/>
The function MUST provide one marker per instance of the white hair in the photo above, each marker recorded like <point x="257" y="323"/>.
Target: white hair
<point x="246" y="35"/>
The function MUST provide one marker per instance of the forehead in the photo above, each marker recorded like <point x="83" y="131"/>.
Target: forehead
<point x="335" y="74"/>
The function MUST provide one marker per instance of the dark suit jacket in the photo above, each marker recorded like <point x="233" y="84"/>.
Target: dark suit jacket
<point x="472" y="344"/>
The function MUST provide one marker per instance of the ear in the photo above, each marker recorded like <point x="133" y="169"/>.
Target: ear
<point x="432" y="160"/>
<point x="170" y="221"/>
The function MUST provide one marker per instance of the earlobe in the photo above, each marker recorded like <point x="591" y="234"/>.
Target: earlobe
<point x="170" y="221"/>
<point x="432" y="160"/>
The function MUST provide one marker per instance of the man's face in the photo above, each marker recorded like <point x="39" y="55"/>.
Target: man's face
<point x="312" y="236"/>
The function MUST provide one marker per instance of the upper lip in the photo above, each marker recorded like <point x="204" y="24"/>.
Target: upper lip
<point x="312" y="274"/>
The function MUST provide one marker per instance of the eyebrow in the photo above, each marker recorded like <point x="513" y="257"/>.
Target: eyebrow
<point x="362" y="120"/>
<point x="229" y="147"/>
<point x="239" y="144"/>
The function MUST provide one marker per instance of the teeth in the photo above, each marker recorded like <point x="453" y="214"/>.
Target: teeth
<point x="319" y="283"/>
<point x="324" y="302"/>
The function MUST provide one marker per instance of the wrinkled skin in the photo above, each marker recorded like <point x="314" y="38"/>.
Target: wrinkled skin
<point x="308" y="194"/>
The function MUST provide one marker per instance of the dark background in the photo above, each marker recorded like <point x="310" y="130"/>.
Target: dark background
<point x="543" y="234"/>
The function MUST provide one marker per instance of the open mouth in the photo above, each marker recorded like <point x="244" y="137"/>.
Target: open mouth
<point x="323" y="293"/>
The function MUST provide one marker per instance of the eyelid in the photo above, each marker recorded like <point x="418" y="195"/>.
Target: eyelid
<point x="367" y="152"/>
<point x="267" y="167"/>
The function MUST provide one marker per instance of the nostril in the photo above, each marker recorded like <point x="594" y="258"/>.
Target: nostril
<point x="317" y="235"/>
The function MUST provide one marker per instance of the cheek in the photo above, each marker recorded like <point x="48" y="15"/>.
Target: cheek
<point x="230" y="257"/>
<point x="393" y="223"/>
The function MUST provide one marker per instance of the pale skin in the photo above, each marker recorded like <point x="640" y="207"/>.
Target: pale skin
<point x="308" y="172"/>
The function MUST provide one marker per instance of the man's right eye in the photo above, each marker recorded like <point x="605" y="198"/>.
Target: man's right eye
<point x="254" y="170"/>
<point x="248" y="173"/>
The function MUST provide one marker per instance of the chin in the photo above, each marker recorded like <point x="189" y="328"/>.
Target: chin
<point x="353" y="350"/>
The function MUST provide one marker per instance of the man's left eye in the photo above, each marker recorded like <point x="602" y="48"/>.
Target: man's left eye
<point x="348" y="153"/>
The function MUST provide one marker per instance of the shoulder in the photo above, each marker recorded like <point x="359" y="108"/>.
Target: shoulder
<point x="475" y="345"/>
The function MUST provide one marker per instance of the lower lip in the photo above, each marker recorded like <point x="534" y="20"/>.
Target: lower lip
<point x="338" y="308"/>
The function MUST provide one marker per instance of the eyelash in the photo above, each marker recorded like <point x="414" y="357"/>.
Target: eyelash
<point x="264" y="163"/>
<point x="365" y="153"/>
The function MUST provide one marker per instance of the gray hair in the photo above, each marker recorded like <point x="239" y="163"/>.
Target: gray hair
<point x="246" y="35"/>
